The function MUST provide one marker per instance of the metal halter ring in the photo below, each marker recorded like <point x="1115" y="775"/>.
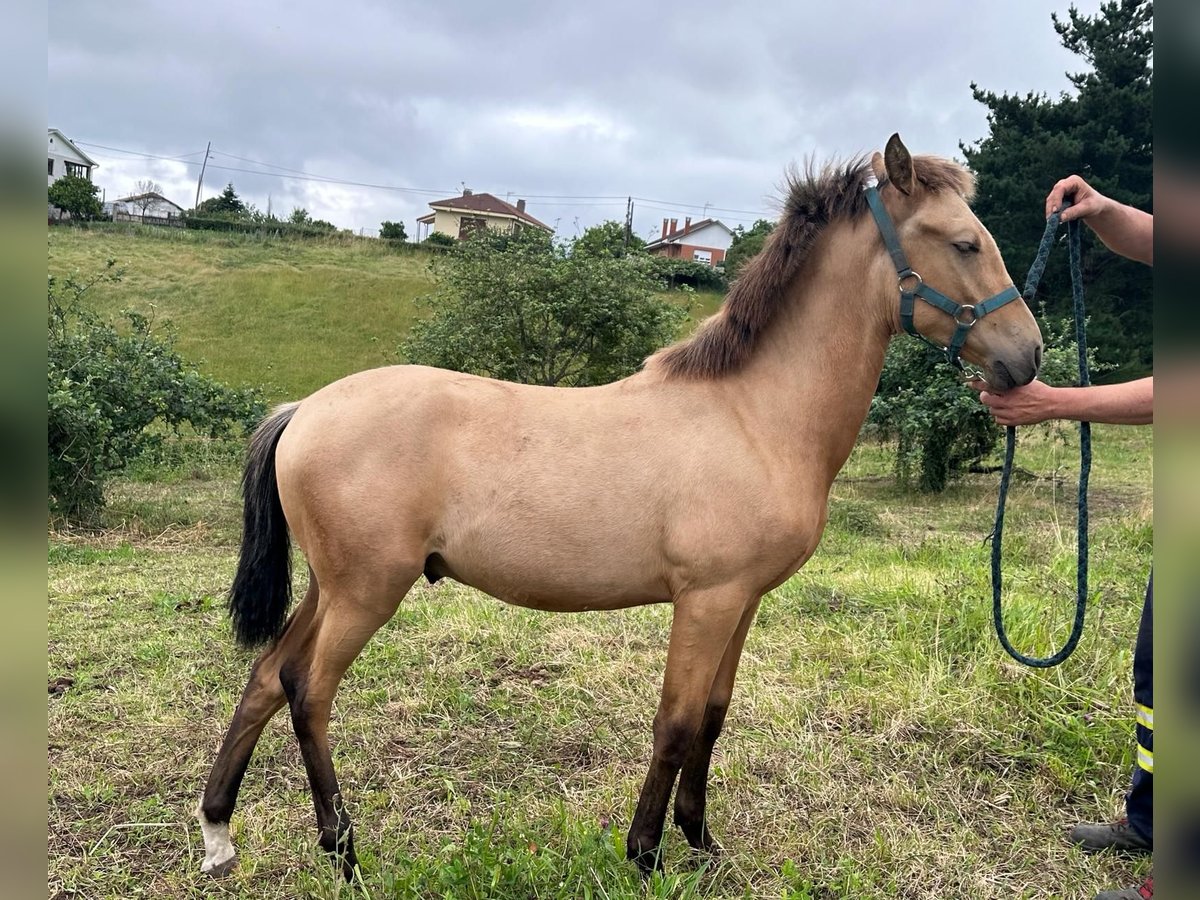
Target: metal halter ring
<point x="966" y="308"/>
<point x="905" y="276"/>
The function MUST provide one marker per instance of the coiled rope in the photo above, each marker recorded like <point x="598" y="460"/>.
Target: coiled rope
<point x="1085" y="454"/>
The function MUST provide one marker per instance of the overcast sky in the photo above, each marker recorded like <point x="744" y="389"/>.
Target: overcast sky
<point x="573" y="106"/>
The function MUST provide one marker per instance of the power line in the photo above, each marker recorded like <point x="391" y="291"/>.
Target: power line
<point x="301" y="175"/>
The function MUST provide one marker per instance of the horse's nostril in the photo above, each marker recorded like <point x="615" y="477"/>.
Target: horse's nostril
<point x="1037" y="358"/>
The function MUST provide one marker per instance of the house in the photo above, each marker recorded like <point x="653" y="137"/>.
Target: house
<point x="151" y="205"/>
<point x="459" y="216"/>
<point x="705" y="241"/>
<point x="64" y="158"/>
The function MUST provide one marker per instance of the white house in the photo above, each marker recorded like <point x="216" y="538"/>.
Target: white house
<point x="705" y="241"/>
<point x="148" y="205"/>
<point x="459" y="216"/>
<point x="64" y="158"/>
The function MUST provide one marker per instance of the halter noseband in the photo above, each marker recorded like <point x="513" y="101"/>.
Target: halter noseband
<point x="912" y="286"/>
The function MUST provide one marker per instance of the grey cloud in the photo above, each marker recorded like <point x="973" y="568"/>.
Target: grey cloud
<point x="704" y="107"/>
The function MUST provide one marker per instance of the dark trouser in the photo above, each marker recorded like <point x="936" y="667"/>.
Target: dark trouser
<point x="1139" y="802"/>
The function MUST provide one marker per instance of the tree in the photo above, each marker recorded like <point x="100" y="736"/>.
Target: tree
<point x="76" y="195"/>
<point x="227" y="204"/>
<point x="746" y="245"/>
<point x="1103" y="131"/>
<point x="110" y="392"/>
<point x="142" y="191"/>
<point x="521" y="308"/>
<point x="392" y="231"/>
<point x="607" y="240"/>
<point x="300" y="216"/>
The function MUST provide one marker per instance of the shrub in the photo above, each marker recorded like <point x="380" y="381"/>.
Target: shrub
<point x="113" y="392"/>
<point x="438" y="240"/>
<point x="76" y="195"/>
<point x="522" y="308"/>
<point x="673" y="273"/>
<point x="940" y="427"/>
<point x="392" y="231"/>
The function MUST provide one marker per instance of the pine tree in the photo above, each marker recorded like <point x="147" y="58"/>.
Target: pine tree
<point x="1101" y="131"/>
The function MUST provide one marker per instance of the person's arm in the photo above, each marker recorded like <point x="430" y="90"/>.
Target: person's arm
<point x="1124" y="230"/>
<point x="1130" y="403"/>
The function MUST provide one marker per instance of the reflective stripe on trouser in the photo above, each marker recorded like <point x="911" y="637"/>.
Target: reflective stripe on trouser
<point x="1139" y="802"/>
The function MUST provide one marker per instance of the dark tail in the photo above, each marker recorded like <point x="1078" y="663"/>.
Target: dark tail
<point x="262" y="587"/>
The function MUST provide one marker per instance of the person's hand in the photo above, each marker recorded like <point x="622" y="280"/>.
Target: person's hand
<point x="1025" y="405"/>
<point x="1087" y="201"/>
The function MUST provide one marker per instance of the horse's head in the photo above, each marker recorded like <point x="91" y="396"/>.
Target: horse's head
<point x="951" y="255"/>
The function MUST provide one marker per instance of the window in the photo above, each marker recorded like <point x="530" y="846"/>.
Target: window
<point x="76" y="169"/>
<point x="704" y="256"/>
<point x="49" y="166"/>
<point x="468" y="225"/>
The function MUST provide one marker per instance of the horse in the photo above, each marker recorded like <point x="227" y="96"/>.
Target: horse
<point x="702" y="480"/>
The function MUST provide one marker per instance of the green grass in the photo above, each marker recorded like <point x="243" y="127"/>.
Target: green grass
<point x="287" y="315"/>
<point x="879" y="745"/>
<point x="290" y="315"/>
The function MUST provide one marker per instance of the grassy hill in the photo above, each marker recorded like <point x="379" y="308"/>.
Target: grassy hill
<point x="284" y="314"/>
<point x="288" y="315"/>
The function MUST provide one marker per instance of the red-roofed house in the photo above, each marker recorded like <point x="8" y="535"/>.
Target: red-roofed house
<point x="705" y="241"/>
<point x="459" y="216"/>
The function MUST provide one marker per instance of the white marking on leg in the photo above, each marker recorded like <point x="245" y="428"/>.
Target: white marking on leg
<point x="218" y="848"/>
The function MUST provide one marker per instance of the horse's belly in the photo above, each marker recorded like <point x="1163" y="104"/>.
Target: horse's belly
<point x="554" y="575"/>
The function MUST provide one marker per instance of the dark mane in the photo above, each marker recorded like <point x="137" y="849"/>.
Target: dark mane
<point x="727" y="339"/>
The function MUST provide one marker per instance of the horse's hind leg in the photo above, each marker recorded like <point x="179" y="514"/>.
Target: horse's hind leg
<point x="703" y="625"/>
<point x="691" y="797"/>
<point x="261" y="699"/>
<point x="344" y="623"/>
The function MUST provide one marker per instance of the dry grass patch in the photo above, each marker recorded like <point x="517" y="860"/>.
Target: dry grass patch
<point x="879" y="744"/>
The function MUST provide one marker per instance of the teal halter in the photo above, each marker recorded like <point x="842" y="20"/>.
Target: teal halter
<point x="912" y="286"/>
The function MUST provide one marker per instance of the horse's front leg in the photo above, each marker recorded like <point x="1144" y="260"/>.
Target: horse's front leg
<point x="691" y="798"/>
<point x="703" y="625"/>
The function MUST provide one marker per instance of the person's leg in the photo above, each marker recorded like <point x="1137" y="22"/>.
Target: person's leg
<point x="1134" y="833"/>
<point x="1139" y="802"/>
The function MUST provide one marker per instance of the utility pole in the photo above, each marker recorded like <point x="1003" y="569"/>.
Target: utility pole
<point x="628" y="221"/>
<point x="200" y="180"/>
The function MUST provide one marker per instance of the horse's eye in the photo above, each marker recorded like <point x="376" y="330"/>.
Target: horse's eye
<point x="966" y="247"/>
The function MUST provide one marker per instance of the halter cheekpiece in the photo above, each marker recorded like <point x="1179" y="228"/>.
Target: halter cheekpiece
<point x="912" y="286"/>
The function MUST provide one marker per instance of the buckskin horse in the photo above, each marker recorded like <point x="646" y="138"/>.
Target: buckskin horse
<point x="701" y="481"/>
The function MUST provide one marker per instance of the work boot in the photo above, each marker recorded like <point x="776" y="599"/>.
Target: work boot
<point x="1143" y="892"/>
<point x="1119" y="836"/>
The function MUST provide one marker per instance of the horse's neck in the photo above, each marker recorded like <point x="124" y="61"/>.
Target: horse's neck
<point x="813" y="376"/>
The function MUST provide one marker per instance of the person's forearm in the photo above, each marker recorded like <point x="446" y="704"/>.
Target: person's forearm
<point x="1130" y="403"/>
<point x="1125" y="231"/>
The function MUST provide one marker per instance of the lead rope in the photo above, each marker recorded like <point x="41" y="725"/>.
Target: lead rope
<point x="1085" y="455"/>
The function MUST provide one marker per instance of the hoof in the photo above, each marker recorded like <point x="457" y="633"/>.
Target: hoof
<point x="219" y="855"/>
<point x="219" y="868"/>
<point x="647" y="861"/>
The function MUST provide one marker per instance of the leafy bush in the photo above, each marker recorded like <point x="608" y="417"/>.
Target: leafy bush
<point x="672" y="273"/>
<point x="76" y="195"/>
<point x="112" y="392"/>
<point x="521" y="308"/>
<point x="747" y="243"/>
<point x="392" y="231"/>
<point x="438" y="240"/>
<point x="608" y="240"/>
<point x="940" y="427"/>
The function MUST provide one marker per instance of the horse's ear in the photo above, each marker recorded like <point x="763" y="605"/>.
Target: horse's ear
<point x="878" y="167"/>
<point x="898" y="162"/>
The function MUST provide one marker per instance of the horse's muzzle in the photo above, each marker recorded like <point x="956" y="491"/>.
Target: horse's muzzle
<point x="1008" y="374"/>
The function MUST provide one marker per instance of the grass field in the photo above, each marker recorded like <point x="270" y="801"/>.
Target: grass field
<point x="289" y="316"/>
<point x="880" y="745"/>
